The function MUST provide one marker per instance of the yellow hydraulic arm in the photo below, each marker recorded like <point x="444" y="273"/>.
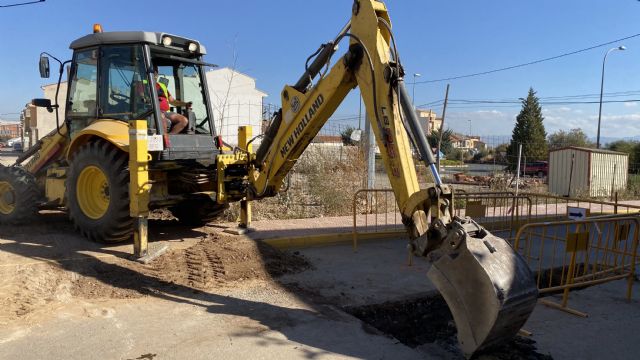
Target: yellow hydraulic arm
<point x="487" y="286"/>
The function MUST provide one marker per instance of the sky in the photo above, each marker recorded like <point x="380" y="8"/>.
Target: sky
<point x="270" y="41"/>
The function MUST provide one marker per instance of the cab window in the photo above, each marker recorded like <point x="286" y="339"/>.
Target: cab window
<point x="84" y="84"/>
<point x="125" y="93"/>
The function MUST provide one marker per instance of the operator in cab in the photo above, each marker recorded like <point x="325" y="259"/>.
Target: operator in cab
<point x="165" y="99"/>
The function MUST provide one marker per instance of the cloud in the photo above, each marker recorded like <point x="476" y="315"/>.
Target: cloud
<point x="630" y="104"/>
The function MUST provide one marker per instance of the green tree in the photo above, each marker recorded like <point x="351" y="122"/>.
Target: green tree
<point x="447" y="145"/>
<point x="529" y="131"/>
<point x="634" y="165"/>
<point x="501" y="153"/>
<point x="346" y="136"/>
<point x="573" y="137"/>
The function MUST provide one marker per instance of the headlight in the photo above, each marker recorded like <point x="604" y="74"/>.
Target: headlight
<point x="166" y="41"/>
<point x="193" y="47"/>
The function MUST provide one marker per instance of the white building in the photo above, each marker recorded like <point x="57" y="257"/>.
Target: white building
<point x="235" y="101"/>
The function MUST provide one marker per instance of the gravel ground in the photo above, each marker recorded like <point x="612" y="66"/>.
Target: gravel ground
<point x="7" y="158"/>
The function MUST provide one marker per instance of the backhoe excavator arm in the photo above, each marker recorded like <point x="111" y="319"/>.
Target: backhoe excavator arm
<point x="488" y="287"/>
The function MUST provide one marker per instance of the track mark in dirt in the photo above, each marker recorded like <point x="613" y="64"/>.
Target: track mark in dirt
<point x="217" y="260"/>
<point x="204" y="267"/>
<point x="213" y="262"/>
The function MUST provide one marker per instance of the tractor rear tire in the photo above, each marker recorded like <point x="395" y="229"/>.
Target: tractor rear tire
<point x="19" y="196"/>
<point x="197" y="212"/>
<point x="98" y="193"/>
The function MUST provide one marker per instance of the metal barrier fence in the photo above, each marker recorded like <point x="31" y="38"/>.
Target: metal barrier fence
<point x="375" y="210"/>
<point x="578" y="253"/>
<point x="499" y="212"/>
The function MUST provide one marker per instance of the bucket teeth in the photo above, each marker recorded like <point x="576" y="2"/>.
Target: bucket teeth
<point x="488" y="287"/>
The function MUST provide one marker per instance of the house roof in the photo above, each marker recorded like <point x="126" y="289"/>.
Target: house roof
<point x="328" y="139"/>
<point x="586" y="149"/>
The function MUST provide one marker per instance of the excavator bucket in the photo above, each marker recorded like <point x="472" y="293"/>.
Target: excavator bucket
<point x="488" y="287"/>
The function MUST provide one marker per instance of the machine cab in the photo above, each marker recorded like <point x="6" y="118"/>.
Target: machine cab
<point x="121" y="76"/>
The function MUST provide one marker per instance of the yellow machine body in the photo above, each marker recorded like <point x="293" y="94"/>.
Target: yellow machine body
<point x="114" y="131"/>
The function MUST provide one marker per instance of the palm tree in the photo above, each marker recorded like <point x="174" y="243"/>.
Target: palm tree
<point x="446" y="146"/>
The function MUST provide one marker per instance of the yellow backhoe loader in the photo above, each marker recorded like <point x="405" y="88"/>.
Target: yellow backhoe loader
<point x="114" y="157"/>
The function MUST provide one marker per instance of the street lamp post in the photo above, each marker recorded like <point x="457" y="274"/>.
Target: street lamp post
<point x="602" y="89"/>
<point x="413" y="95"/>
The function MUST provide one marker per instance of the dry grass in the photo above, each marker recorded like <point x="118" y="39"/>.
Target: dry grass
<point x="322" y="183"/>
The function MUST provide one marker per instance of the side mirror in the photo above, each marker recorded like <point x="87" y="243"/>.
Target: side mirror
<point x="44" y="67"/>
<point x="41" y="102"/>
<point x="45" y="103"/>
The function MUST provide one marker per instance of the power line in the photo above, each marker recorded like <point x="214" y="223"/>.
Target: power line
<point x="542" y="100"/>
<point x="528" y="63"/>
<point x="21" y="4"/>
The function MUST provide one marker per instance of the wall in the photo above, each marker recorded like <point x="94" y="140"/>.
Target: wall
<point x="608" y="173"/>
<point x="38" y="121"/>
<point x="562" y="180"/>
<point x="235" y="102"/>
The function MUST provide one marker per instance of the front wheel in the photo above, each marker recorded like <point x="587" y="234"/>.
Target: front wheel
<point x="98" y="193"/>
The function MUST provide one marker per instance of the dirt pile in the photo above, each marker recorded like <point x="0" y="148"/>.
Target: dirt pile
<point x="218" y="260"/>
<point x="215" y="261"/>
<point x="26" y="288"/>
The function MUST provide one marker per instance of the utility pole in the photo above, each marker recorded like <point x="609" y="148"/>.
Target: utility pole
<point x="444" y="113"/>
<point x="604" y="61"/>
<point x="518" y="169"/>
<point x="360" y="113"/>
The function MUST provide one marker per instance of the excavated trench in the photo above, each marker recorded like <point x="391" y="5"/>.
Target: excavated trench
<point x="426" y="324"/>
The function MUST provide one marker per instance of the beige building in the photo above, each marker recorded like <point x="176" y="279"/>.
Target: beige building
<point x="38" y="122"/>
<point x="467" y="142"/>
<point x="9" y="130"/>
<point x="428" y="120"/>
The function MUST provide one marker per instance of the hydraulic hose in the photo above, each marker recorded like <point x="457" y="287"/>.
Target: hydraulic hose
<point x="421" y="142"/>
